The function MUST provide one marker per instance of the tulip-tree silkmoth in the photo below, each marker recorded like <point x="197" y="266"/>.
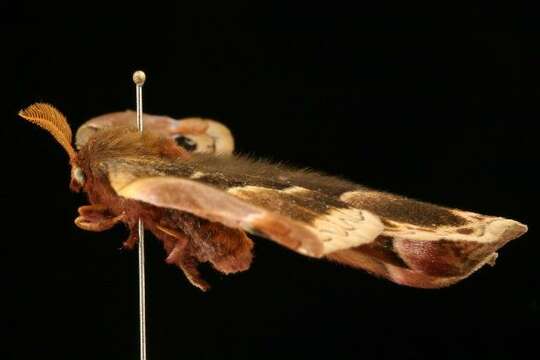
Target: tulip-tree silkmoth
<point x="183" y="180"/>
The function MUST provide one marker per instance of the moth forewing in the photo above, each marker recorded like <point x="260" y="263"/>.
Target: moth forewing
<point x="406" y="241"/>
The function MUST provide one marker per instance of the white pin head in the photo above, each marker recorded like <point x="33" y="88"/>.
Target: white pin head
<point x="139" y="77"/>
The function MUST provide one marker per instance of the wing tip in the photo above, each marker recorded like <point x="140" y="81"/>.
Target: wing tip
<point x="503" y="230"/>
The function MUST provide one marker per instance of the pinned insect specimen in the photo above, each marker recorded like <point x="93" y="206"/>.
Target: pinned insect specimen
<point x="183" y="180"/>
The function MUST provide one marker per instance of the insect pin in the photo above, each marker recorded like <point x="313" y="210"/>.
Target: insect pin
<point x="139" y="78"/>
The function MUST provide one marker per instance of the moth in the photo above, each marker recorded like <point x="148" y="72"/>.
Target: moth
<point x="201" y="200"/>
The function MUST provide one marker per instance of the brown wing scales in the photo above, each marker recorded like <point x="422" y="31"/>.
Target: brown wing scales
<point x="406" y="241"/>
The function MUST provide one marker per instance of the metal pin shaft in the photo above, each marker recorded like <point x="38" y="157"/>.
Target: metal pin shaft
<point x="138" y="78"/>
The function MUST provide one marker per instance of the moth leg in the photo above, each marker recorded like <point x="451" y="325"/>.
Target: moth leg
<point x="96" y="218"/>
<point x="175" y="244"/>
<point x="133" y="237"/>
<point x="188" y="264"/>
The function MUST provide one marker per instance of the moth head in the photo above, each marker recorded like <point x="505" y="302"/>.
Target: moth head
<point x="49" y="118"/>
<point x="77" y="179"/>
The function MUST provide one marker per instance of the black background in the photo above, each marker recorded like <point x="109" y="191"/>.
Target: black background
<point x="424" y="102"/>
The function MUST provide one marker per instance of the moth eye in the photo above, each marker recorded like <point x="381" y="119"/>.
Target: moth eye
<point x="78" y="175"/>
<point x="186" y="143"/>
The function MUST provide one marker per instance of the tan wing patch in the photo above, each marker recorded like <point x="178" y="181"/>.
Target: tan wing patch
<point x="337" y="228"/>
<point x="197" y="175"/>
<point x="346" y="228"/>
<point x="485" y="230"/>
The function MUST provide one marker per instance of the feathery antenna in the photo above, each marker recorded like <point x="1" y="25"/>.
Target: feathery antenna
<point x="49" y="118"/>
<point x="138" y="78"/>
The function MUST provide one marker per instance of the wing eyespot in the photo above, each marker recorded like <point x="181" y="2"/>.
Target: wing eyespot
<point x="186" y="143"/>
